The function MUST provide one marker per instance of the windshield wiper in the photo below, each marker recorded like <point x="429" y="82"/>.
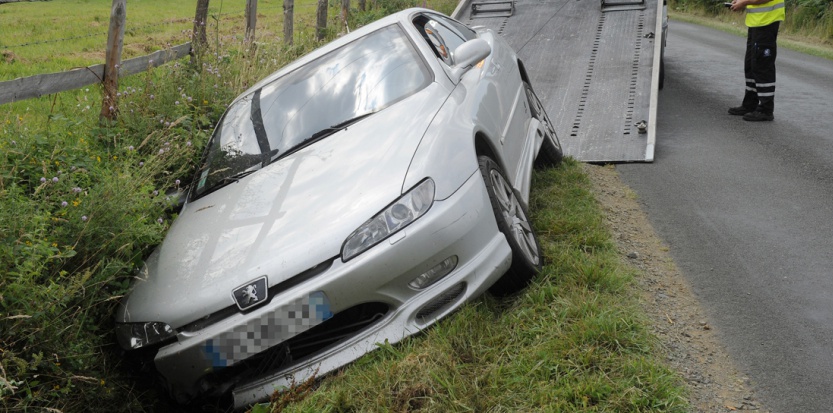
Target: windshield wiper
<point x="323" y="133"/>
<point x="227" y="180"/>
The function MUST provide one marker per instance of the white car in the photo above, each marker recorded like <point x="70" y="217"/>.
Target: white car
<point x="355" y="196"/>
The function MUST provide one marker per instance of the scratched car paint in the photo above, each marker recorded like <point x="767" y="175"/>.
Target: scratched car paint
<point x="355" y="196"/>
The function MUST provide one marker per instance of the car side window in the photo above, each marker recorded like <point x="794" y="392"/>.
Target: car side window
<point x="461" y="29"/>
<point x="440" y="37"/>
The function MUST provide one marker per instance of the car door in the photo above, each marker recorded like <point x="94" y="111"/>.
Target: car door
<point x="498" y="89"/>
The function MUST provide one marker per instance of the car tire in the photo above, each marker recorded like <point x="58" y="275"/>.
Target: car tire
<point x="551" y="153"/>
<point x="513" y="222"/>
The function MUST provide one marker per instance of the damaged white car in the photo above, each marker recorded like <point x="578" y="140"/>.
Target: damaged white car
<point x="355" y="196"/>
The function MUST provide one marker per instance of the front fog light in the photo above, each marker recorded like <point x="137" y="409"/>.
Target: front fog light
<point x="434" y="274"/>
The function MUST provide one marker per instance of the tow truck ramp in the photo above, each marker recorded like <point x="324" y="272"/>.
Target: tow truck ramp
<point x="596" y="68"/>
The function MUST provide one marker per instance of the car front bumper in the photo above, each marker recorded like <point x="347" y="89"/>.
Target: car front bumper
<point x="462" y="225"/>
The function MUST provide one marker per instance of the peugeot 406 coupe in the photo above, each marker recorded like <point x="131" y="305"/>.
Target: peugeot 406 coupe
<point x="355" y="196"/>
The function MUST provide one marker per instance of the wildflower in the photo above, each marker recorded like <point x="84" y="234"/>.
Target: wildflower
<point x="84" y="218"/>
<point x="64" y="204"/>
<point x="76" y="203"/>
<point x="188" y="143"/>
<point x="155" y="193"/>
<point x="151" y="97"/>
<point x="112" y="109"/>
<point x="160" y="220"/>
<point x="167" y="144"/>
<point x="42" y="180"/>
<point x="141" y="164"/>
<point x="167" y="123"/>
<point x="176" y="103"/>
<point x="76" y="190"/>
<point x="55" y="179"/>
<point x="130" y="148"/>
<point x="161" y="151"/>
<point x="177" y="182"/>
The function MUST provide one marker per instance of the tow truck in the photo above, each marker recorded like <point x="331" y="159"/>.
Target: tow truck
<point x="597" y="65"/>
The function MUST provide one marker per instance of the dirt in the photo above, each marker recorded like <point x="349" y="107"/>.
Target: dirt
<point x="687" y="339"/>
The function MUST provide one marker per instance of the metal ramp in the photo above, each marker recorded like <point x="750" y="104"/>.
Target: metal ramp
<point x="593" y="70"/>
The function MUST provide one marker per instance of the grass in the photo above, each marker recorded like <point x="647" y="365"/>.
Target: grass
<point x="68" y="34"/>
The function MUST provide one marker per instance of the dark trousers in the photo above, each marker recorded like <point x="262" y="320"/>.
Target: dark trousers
<point x="759" y="68"/>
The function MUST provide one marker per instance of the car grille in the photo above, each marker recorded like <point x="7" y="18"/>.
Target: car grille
<point x="274" y="290"/>
<point x="340" y="327"/>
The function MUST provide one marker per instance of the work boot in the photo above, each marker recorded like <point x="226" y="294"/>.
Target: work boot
<point x="740" y="110"/>
<point x="757" y="116"/>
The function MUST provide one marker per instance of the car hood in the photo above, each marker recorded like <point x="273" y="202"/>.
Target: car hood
<point x="282" y="220"/>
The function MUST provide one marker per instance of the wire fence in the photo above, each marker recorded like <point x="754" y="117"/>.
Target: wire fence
<point x="44" y="84"/>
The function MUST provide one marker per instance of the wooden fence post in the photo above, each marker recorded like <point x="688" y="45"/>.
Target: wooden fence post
<point x="288" y="17"/>
<point x="251" y="20"/>
<point x="345" y="11"/>
<point x="198" y="38"/>
<point x="115" y="40"/>
<point x="321" y="20"/>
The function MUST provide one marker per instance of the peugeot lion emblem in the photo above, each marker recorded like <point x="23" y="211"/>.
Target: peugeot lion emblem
<point x="251" y="293"/>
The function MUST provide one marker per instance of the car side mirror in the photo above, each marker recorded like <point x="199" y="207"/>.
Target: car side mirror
<point x="467" y="55"/>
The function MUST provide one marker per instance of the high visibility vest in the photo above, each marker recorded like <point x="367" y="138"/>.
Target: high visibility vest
<point x="764" y="14"/>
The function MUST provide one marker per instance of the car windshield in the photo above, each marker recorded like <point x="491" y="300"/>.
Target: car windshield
<point x="311" y="102"/>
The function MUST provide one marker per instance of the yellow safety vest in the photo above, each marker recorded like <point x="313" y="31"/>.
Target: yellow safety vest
<point x="764" y="14"/>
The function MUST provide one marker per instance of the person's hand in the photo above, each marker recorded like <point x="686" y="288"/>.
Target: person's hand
<point x="738" y="5"/>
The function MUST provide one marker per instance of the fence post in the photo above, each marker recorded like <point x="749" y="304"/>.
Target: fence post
<point x="288" y="18"/>
<point x="115" y="40"/>
<point x="345" y="11"/>
<point x="321" y="20"/>
<point x="251" y="20"/>
<point x="198" y="38"/>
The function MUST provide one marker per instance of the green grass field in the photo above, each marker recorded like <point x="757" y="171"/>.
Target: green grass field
<point x="54" y="36"/>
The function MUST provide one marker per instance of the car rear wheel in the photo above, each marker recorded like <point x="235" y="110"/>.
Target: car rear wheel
<point x="550" y="153"/>
<point x="513" y="221"/>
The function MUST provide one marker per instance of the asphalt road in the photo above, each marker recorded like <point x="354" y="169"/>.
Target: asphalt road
<point x="747" y="210"/>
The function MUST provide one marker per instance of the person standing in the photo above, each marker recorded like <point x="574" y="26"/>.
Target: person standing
<point x="763" y="17"/>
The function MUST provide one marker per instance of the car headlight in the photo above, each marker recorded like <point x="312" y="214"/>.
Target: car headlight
<point x="137" y="335"/>
<point x="398" y="215"/>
